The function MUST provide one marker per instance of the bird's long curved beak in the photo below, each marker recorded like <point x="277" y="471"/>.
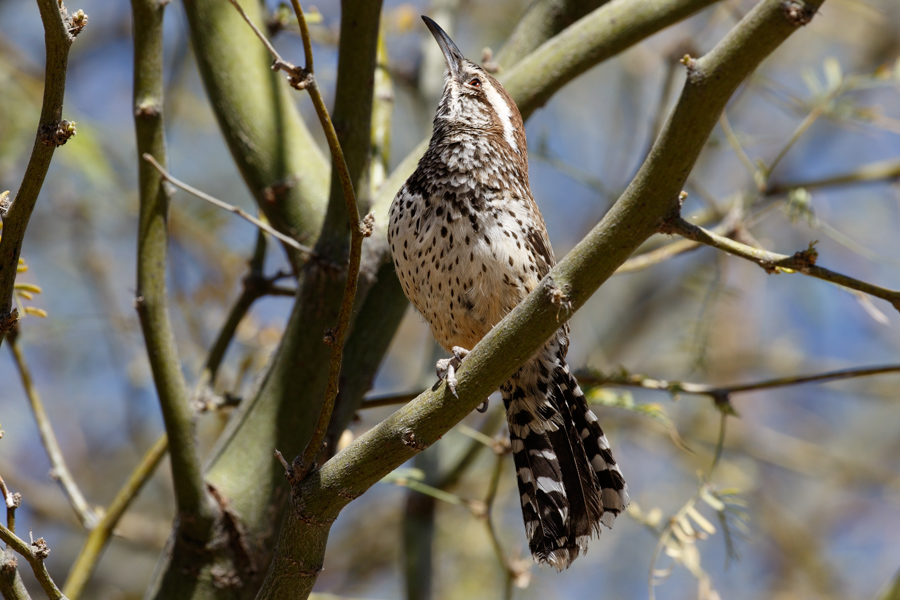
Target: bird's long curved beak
<point x="451" y="53"/>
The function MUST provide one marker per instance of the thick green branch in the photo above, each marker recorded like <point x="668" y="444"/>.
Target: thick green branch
<point x="541" y="21"/>
<point x="651" y="197"/>
<point x="52" y="131"/>
<point x="271" y="146"/>
<point x="194" y="506"/>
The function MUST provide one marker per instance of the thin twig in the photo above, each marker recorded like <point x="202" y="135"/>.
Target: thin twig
<point x="802" y="262"/>
<point x="34" y="553"/>
<point x="87" y="559"/>
<point x="684" y="387"/>
<point x="12" y="503"/>
<point x="229" y="207"/>
<point x="888" y="170"/>
<point x="358" y="231"/>
<point x="59" y="470"/>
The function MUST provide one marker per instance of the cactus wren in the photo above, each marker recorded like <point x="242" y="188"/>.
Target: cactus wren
<point x="469" y="243"/>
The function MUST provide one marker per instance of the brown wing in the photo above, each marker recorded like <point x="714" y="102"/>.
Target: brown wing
<point x="539" y="242"/>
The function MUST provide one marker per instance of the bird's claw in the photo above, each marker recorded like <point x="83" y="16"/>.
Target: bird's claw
<point x="446" y="368"/>
<point x="482" y="408"/>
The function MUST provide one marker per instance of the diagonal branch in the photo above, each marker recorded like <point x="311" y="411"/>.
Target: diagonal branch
<point x="651" y="197"/>
<point x="724" y="391"/>
<point x="52" y="131"/>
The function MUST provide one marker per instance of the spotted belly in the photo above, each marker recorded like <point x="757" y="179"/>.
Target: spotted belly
<point x="462" y="274"/>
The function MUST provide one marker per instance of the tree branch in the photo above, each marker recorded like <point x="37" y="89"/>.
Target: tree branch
<point x="358" y="230"/>
<point x="34" y="553"/>
<point x="52" y="131"/>
<point x="541" y="21"/>
<point x="195" y="508"/>
<point x="271" y="146"/>
<point x="649" y="199"/>
<point x="800" y="262"/>
<point x="86" y="562"/>
<point x="722" y="392"/>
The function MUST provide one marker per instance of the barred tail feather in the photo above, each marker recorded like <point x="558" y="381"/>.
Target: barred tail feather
<point x="613" y="490"/>
<point x="569" y="482"/>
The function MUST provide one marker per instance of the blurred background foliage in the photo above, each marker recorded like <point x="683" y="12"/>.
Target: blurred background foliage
<point x="808" y="482"/>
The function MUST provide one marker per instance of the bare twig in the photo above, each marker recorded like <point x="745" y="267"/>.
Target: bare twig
<point x="59" y="470"/>
<point x="34" y="553"/>
<point x="802" y="261"/>
<point x="229" y="207"/>
<point x="358" y="231"/>
<point x="87" y="559"/>
<point x="888" y="170"/>
<point x="684" y="387"/>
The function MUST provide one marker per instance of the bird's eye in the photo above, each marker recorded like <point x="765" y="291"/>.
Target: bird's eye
<point x="475" y="83"/>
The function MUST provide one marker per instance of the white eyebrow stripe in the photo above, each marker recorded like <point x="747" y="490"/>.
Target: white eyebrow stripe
<point x="501" y="107"/>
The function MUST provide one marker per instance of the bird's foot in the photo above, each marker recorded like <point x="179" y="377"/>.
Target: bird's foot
<point x="446" y="367"/>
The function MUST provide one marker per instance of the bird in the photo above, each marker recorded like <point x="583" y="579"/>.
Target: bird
<point x="468" y="244"/>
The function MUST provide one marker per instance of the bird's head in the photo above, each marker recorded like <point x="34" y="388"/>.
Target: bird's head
<point x="473" y="103"/>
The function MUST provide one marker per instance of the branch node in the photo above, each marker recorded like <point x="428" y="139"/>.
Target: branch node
<point x="299" y="77"/>
<point x="798" y="13"/>
<point x="559" y="296"/>
<point x="9" y="321"/>
<point x="147" y="110"/>
<point x="409" y="439"/>
<point x="278" y="190"/>
<point x="804" y="259"/>
<point x="41" y="550"/>
<point x="56" y="133"/>
<point x="367" y="225"/>
<point x="330" y="336"/>
<point x="76" y="23"/>
<point x="5" y="203"/>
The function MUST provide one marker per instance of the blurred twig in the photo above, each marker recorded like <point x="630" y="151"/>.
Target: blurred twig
<point x="255" y="286"/>
<point x="229" y="207"/>
<point x="87" y="559"/>
<point x="888" y="170"/>
<point x="59" y="469"/>
<point x="34" y="553"/>
<point x="382" y="112"/>
<point x="802" y="261"/>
